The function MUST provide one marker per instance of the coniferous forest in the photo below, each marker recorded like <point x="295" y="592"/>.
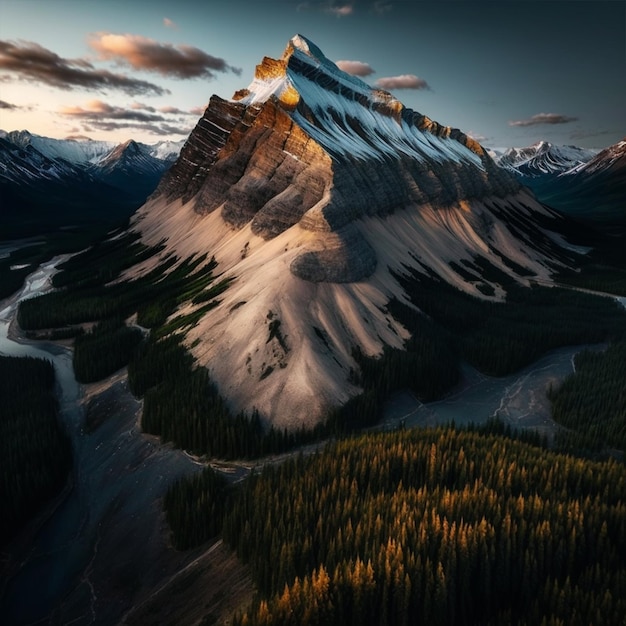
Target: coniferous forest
<point x="433" y="526"/>
<point x="35" y="452"/>
<point x="591" y="403"/>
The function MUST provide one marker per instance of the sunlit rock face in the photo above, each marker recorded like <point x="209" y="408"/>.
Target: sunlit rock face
<point x="308" y="144"/>
<point x="314" y="192"/>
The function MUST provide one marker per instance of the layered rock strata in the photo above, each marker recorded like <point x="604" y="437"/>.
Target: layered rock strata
<point x="309" y="145"/>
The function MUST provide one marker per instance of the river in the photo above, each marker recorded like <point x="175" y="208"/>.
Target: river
<point x="104" y="546"/>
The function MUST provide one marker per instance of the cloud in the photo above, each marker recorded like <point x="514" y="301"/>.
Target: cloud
<point x="197" y="110"/>
<point x="140" y="106"/>
<point x="142" y="53"/>
<point x="381" y="7"/>
<point x="477" y="136"/>
<point x="544" y="118"/>
<point x="97" y="110"/>
<point x="153" y="129"/>
<point x="78" y="138"/>
<point x="32" y="62"/>
<point x="8" y="106"/>
<point x="170" y="110"/>
<point x="168" y="23"/>
<point x="403" y="81"/>
<point x="99" y="115"/>
<point x="340" y="11"/>
<point x="327" y="6"/>
<point x="356" y="68"/>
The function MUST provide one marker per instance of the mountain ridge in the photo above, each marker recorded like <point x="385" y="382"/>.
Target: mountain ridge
<point x="587" y="185"/>
<point x="312" y="239"/>
<point x="47" y="183"/>
<point x="543" y="158"/>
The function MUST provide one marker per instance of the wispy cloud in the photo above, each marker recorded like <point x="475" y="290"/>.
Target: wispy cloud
<point x="100" y="115"/>
<point x="477" y="136"/>
<point x="544" y="118"/>
<point x="153" y="129"/>
<point x="34" y="63"/>
<point x="327" y="6"/>
<point x="97" y="110"/>
<point x="381" y="7"/>
<point x="170" y="110"/>
<point x="356" y="68"/>
<point x="8" y="106"/>
<point x="77" y="137"/>
<point x="142" y="53"/>
<point x="168" y="23"/>
<point x="197" y="110"/>
<point x="403" y="81"/>
<point x="340" y="11"/>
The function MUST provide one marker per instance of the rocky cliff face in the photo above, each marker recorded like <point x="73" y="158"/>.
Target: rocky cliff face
<point x="307" y="144"/>
<point x="313" y="191"/>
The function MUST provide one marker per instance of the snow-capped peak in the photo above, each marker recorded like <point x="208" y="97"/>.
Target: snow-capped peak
<point x="543" y="158"/>
<point x="346" y="116"/>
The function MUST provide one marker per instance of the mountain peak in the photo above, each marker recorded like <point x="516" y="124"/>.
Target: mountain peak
<point x="315" y="192"/>
<point x="300" y="42"/>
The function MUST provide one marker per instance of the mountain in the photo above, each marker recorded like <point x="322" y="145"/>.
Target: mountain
<point x="315" y="192"/>
<point x="584" y="184"/>
<point x="544" y="158"/>
<point x="71" y="150"/>
<point x="41" y="194"/>
<point x="47" y="183"/>
<point x="132" y="168"/>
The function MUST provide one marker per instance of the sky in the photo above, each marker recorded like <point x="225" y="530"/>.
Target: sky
<point x="507" y="72"/>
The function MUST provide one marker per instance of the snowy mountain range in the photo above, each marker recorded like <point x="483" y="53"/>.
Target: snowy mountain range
<point x="315" y="192"/>
<point x="544" y="158"/>
<point x="83" y="151"/>
<point x="589" y="185"/>
<point x="52" y="182"/>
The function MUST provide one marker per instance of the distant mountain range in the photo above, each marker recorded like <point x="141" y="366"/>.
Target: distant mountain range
<point x="543" y="158"/>
<point x="589" y="185"/>
<point x="48" y="183"/>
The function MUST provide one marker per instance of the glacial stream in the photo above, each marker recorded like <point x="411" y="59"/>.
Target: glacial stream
<point x="102" y="544"/>
<point x="102" y="547"/>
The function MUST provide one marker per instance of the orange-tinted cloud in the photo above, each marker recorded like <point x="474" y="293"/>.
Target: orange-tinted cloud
<point x="341" y="11"/>
<point x="32" y="62"/>
<point x="169" y="23"/>
<point x="142" y="53"/>
<point x="356" y="68"/>
<point x="99" y="115"/>
<point x="98" y="110"/>
<point x="403" y="81"/>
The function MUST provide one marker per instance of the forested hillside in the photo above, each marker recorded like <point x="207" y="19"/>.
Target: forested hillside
<point x="428" y="526"/>
<point x="591" y="403"/>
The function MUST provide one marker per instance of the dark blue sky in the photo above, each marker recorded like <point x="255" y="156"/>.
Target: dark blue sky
<point x="510" y="72"/>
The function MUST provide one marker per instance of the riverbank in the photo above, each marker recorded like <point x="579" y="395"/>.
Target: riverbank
<point x="103" y="546"/>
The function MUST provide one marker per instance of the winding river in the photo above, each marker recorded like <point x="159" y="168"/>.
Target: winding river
<point x="103" y="543"/>
<point x="102" y="547"/>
